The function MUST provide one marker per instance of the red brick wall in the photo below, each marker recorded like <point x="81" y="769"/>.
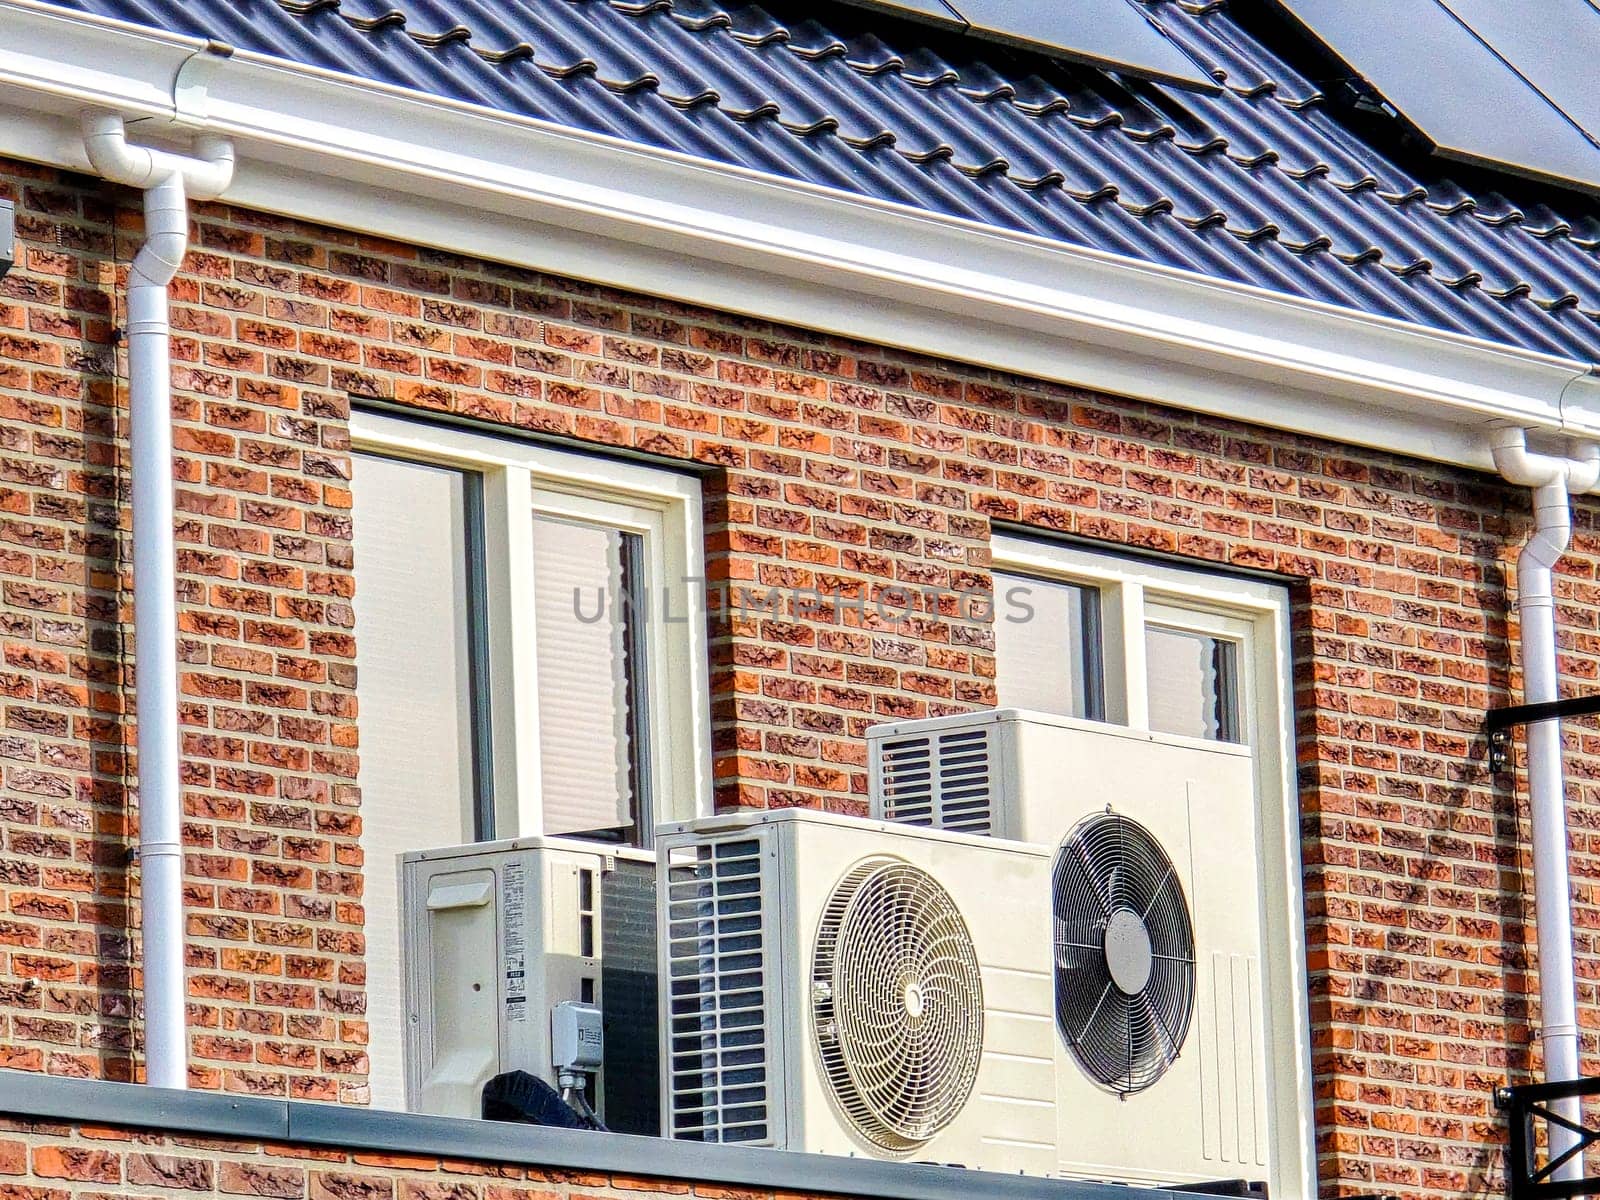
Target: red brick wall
<point x="273" y="888"/>
<point x="844" y="467"/>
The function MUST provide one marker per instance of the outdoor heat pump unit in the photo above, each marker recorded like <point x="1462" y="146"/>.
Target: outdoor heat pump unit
<point x="843" y="986"/>
<point x="1154" y="911"/>
<point x="498" y="937"/>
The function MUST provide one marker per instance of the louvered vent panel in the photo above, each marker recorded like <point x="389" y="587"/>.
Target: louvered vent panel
<point x="1234" y="1109"/>
<point x="943" y="780"/>
<point x="717" y="973"/>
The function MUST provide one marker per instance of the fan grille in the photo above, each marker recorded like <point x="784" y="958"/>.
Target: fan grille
<point x="897" y="1003"/>
<point x="1124" y="943"/>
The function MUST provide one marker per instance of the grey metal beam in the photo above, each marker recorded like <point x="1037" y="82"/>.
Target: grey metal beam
<point x="28" y="1096"/>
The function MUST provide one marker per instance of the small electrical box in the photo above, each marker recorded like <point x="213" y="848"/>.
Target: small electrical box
<point x="577" y="1042"/>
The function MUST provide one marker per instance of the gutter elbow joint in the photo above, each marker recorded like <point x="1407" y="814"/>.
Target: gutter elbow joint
<point x="158" y="260"/>
<point x="1583" y="469"/>
<point x="105" y="141"/>
<point x="1576" y="473"/>
<point x="1508" y="444"/>
<point x="212" y="170"/>
<point x="166" y="233"/>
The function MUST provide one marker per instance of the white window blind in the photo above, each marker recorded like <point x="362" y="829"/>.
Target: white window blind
<point x="1192" y="683"/>
<point x="1046" y="646"/>
<point x="415" y="690"/>
<point x="585" y="675"/>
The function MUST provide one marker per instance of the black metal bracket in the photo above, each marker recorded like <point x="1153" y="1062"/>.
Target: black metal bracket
<point x="1499" y="722"/>
<point x="1535" y="1102"/>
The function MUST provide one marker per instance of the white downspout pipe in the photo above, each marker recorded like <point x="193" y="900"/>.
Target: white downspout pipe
<point x="1553" y="480"/>
<point x="167" y="181"/>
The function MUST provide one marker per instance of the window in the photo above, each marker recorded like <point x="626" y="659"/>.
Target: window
<point x="587" y="597"/>
<point x="417" y="567"/>
<point x="1047" y="645"/>
<point x="1192" y="683"/>
<point x="1153" y="647"/>
<point x="529" y="660"/>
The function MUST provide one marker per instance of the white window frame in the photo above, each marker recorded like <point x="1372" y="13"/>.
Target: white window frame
<point x="520" y="478"/>
<point x="1255" y="613"/>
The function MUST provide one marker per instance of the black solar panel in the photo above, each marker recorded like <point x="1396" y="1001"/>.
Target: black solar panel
<point x="1503" y="83"/>
<point x="1117" y="35"/>
<point x="1554" y="45"/>
<point x="1114" y="34"/>
<point x="934" y="11"/>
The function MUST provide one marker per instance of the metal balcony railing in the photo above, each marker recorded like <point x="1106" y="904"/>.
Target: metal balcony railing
<point x="1529" y="1170"/>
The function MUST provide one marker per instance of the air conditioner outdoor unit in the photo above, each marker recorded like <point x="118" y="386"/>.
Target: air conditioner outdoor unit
<point x="849" y="987"/>
<point x="1156" y="899"/>
<point x="497" y="934"/>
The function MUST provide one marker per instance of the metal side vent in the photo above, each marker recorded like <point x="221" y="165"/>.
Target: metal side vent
<point x="717" y="972"/>
<point x="938" y="779"/>
<point x="628" y="983"/>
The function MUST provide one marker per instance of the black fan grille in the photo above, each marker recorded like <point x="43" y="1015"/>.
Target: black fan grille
<point x="1124" y="1030"/>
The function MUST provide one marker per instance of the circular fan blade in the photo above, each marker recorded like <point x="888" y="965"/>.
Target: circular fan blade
<point x="897" y="1003"/>
<point x="1124" y="953"/>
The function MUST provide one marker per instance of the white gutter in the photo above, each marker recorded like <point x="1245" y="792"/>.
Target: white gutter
<point x="165" y="179"/>
<point x="1553" y="481"/>
<point x="425" y="170"/>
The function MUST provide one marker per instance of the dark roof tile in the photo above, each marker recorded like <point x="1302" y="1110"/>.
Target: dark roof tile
<point x="1261" y="183"/>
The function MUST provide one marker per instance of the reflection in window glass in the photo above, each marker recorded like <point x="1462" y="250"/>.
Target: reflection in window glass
<point x="585" y="581"/>
<point x="417" y="789"/>
<point x="1047" y="646"/>
<point x="1194" y="689"/>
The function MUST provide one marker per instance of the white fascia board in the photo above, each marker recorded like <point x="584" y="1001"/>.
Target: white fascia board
<point x="435" y="172"/>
